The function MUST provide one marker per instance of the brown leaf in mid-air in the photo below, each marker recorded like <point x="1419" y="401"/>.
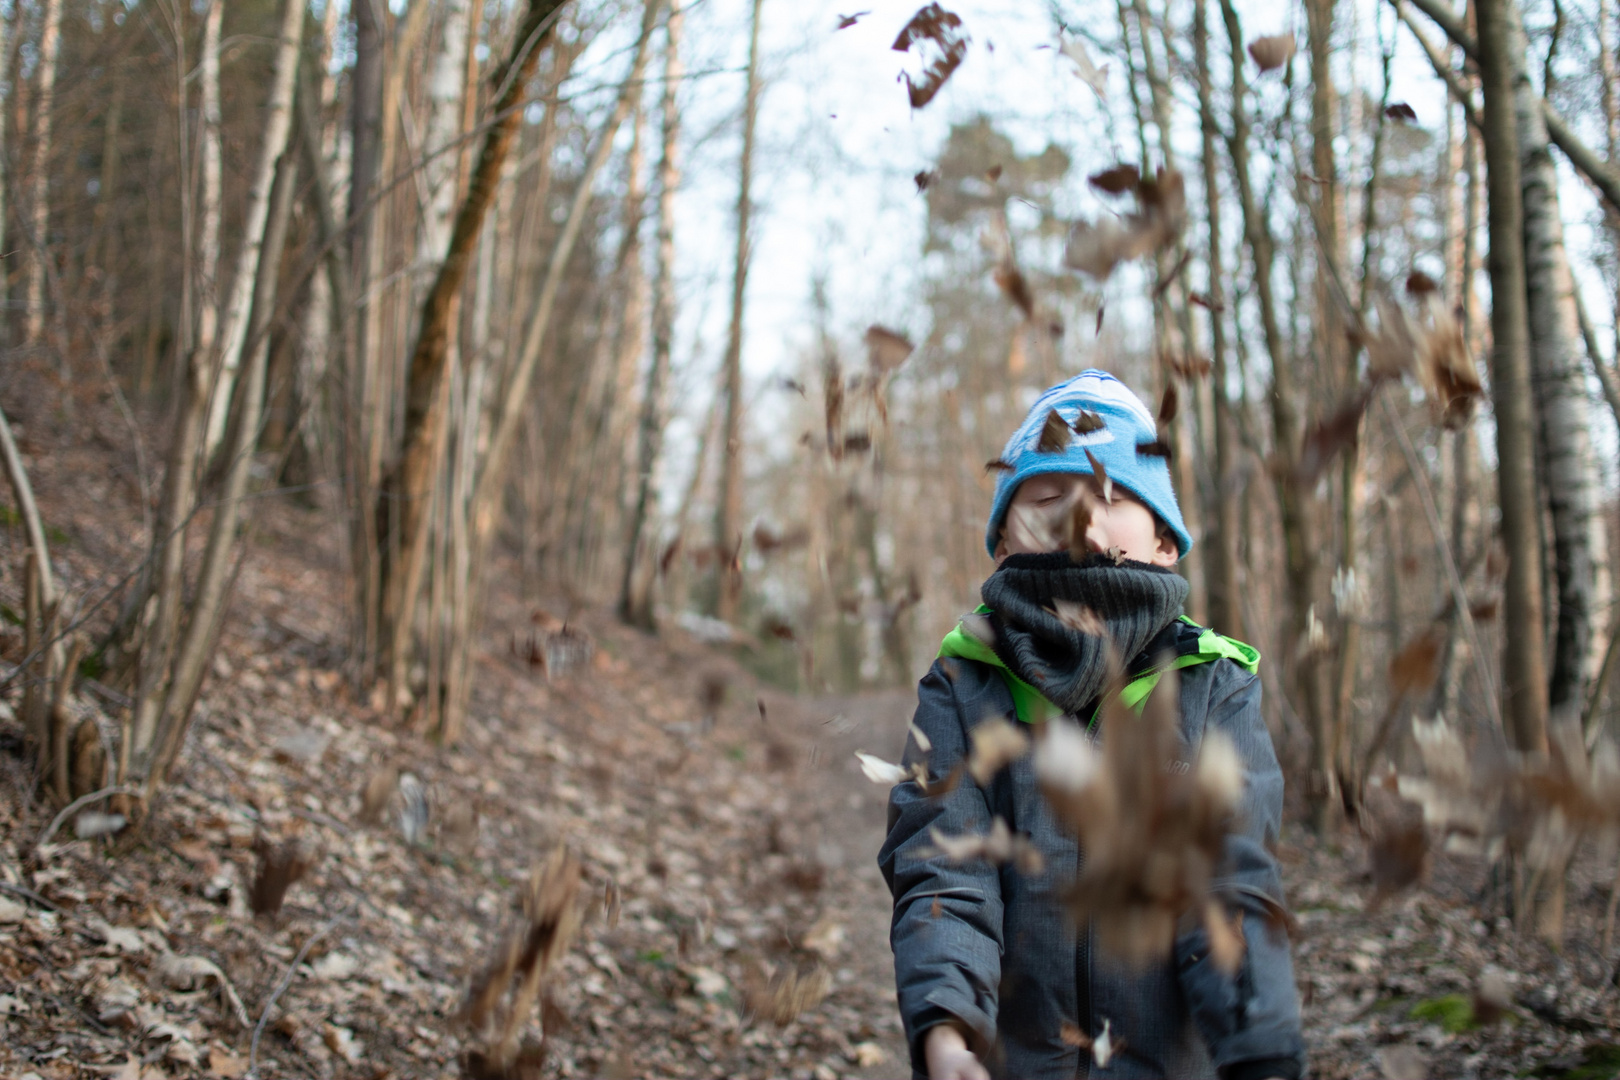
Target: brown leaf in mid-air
<point x="1096" y="248"/>
<point x="997" y="465"/>
<point x="857" y="442"/>
<point x="1055" y="434"/>
<point x="1203" y="300"/>
<point x="280" y="866"/>
<point x="1087" y="422"/>
<point x="1117" y="180"/>
<point x="1117" y="554"/>
<point x="996" y="744"/>
<point x="1101" y="474"/>
<point x="847" y="21"/>
<point x="1420" y="284"/>
<point x="886" y="349"/>
<point x="1169" y="405"/>
<point x="943" y="28"/>
<point x="1079" y="618"/>
<point x="1401" y="113"/>
<point x="925" y="177"/>
<point x="1188" y="368"/>
<point x="1084" y="70"/>
<point x="1329" y="436"/>
<point x="1012" y="282"/>
<point x="1272" y="52"/>
<point x="1226" y="944"/>
<point x="998" y="847"/>
<point x="1416" y="667"/>
<point x="993" y="173"/>
<point x="1156" y="448"/>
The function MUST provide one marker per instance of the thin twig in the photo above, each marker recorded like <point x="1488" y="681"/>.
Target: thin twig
<point x="28" y="894"/>
<point x="1459" y="594"/>
<point x="258" y="1029"/>
<point x="81" y="802"/>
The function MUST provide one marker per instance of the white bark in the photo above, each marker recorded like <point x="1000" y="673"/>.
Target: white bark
<point x="208" y="235"/>
<point x="38" y="220"/>
<point x="444" y="90"/>
<point x="277" y="126"/>
<point x="1558" y="378"/>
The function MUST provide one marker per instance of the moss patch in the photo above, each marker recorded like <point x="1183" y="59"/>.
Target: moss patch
<point x="1601" y="1062"/>
<point x="1454" y="1013"/>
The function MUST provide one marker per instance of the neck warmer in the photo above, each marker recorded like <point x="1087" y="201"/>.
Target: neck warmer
<point x="1134" y="600"/>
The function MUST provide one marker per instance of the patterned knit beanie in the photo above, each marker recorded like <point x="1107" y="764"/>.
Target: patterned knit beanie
<point x="1126" y="423"/>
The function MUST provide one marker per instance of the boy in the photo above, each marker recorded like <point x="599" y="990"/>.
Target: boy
<point x="989" y="967"/>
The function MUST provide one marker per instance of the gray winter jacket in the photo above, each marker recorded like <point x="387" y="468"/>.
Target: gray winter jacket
<point x="993" y="949"/>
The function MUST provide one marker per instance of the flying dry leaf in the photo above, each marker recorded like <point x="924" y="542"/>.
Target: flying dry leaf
<point x="1328" y="437"/>
<point x="1416" y="667"/>
<point x="1188" y="368"/>
<point x="924" y="178"/>
<point x="414" y="813"/>
<point x="788" y="993"/>
<point x="1055" y="434"/>
<point x="1079" y="525"/>
<point x="1169" y="404"/>
<point x="1079" y="618"/>
<point x="857" y="442"/>
<point x="1204" y="300"/>
<point x="998" y="847"/>
<point x="1103" y="479"/>
<point x="1087" y="422"/>
<point x="879" y="771"/>
<point x="886" y="349"/>
<point x="1272" y="52"/>
<point x="978" y="627"/>
<point x="944" y="29"/>
<point x="1105" y="1046"/>
<point x="1226" y="944"/>
<point x="1015" y="287"/>
<point x="993" y="173"/>
<point x="923" y="742"/>
<point x="847" y="21"/>
<point x="1156" y="448"/>
<point x="1401" y="113"/>
<point x="998" y="465"/>
<point x="996" y="744"/>
<point x="1117" y="554"/>
<point x="1084" y="70"/>
<point x="1420" y="284"/>
<point x="280" y="865"/>
<point x="1117" y="180"/>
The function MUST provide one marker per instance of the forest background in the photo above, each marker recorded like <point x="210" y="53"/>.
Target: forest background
<point x="711" y="315"/>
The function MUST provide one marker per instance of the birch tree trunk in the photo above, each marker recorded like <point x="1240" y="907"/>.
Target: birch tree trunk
<point x="1524" y="657"/>
<point x="728" y="515"/>
<point x="402" y="494"/>
<point x="1221" y="562"/>
<point x="38" y="208"/>
<point x="1558" y="377"/>
<point x="207" y="292"/>
<point x="233" y="330"/>
<point x="635" y="589"/>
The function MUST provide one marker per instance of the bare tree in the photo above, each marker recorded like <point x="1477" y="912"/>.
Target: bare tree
<point x="38" y="208"/>
<point x="635" y="589"/>
<point x="728" y="515"/>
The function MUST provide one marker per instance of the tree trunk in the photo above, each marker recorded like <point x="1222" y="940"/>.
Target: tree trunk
<point x="1558" y="377"/>
<point x="38" y="220"/>
<point x="402" y="493"/>
<point x="1297" y="526"/>
<point x="635" y="589"/>
<point x="207" y="273"/>
<point x="1221" y="561"/>
<point x="1523" y="662"/>
<point x="233" y="329"/>
<point x="728" y="515"/>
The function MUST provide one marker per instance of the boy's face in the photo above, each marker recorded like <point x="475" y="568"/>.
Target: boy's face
<point x="1125" y="523"/>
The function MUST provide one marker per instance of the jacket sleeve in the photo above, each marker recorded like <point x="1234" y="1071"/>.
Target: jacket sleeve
<point x="947" y="928"/>
<point x="1250" y="1020"/>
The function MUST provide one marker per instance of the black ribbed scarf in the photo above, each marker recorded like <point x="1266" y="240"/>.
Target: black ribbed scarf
<point x="1134" y="600"/>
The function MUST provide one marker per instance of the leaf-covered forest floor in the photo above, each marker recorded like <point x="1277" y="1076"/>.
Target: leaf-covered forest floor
<point x="730" y="819"/>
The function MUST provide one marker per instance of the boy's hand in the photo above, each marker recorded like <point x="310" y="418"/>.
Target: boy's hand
<point x="948" y="1056"/>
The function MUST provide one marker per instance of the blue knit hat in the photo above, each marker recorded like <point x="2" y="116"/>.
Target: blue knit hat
<point x="1126" y="421"/>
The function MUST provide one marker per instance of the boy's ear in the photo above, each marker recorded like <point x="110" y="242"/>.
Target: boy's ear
<point x="1166" y="552"/>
